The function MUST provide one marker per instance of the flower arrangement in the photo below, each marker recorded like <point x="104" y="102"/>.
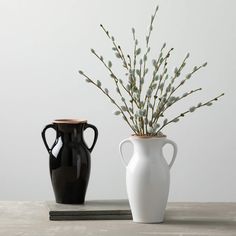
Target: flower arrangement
<point x="144" y="107"/>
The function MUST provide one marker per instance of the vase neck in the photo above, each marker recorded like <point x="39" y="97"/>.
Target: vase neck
<point x="148" y="147"/>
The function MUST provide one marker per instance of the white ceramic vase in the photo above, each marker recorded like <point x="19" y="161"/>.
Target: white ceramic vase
<point x="148" y="178"/>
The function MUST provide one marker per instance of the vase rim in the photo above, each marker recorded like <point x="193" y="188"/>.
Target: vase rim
<point x="69" y="121"/>
<point x="148" y="136"/>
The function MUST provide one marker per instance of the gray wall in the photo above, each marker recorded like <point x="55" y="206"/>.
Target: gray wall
<point x="44" y="43"/>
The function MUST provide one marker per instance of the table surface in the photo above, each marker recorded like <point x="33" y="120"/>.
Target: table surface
<point x="181" y="219"/>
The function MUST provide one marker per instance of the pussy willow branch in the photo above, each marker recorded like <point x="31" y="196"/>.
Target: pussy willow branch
<point x="118" y="48"/>
<point x="132" y="70"/>
<point x="111" y="99"/>
<point x="104" y="63"/>
<point x="176" y="88"/>
<point x="147" y="51"/>
<point x="135" y="48"/>
<point x="123" y="57"/>
<point x="180" y="68"/>
<point x="162" y="76"/>
<point x="208" y="103"/>
<point x="114" y="77"/>
<point x="151" y="27"/>
<point x="158" y="87"/>
<point x="125" y="64"/>
<point x="177" y="74"/>
<point x="158" y="65"/>
<point x="183" y="81"/>
<point x="140" y="82"/>
<point x="177" y="100"/>
<point x="131" y="81"/>
<point x="160" y="60"/>
<point x="116" y="80"/>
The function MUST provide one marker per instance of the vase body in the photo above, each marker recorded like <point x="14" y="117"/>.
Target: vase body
<point x="69" y="160"/>
<point x="148" y="178"/>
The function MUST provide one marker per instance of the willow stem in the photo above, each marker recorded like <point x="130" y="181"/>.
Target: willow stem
<point x="188" y="111"/>
<point x="111" y="99"/>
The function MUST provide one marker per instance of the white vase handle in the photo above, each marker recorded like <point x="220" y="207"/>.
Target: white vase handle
<point x="174" y="153"/>
<point x="121" y="153"/>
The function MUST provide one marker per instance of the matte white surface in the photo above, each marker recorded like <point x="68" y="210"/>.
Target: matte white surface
<point x="148" y="178"/>
<point x="43" y="45"/>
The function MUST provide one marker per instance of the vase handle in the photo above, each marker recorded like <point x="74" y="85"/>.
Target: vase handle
<point x="43" y="133"/>
<point x="95" y="136"/>
<point x="121" y="153"/>
<point x="174" y="153"/>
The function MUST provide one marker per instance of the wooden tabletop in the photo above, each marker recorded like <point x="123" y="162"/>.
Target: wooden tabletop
<point x="181" y="219"/>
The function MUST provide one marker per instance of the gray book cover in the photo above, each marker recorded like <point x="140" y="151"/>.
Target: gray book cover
<point x="91" y="210"/>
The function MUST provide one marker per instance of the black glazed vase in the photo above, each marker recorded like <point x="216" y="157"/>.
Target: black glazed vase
<point x="69" y="160"/>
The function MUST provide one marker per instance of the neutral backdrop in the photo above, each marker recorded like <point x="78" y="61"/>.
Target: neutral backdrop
<point x="44" y="43"/>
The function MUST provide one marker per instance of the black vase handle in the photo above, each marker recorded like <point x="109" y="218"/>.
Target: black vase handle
<point x="95" y="135"/>
<point x="52" y="126"/>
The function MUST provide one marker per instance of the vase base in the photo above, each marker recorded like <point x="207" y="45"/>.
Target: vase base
<point x="158" y="221"/>
<point x="71" y="202"/>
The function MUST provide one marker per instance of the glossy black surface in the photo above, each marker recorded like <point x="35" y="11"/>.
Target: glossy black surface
<point x="69" y="161"/>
